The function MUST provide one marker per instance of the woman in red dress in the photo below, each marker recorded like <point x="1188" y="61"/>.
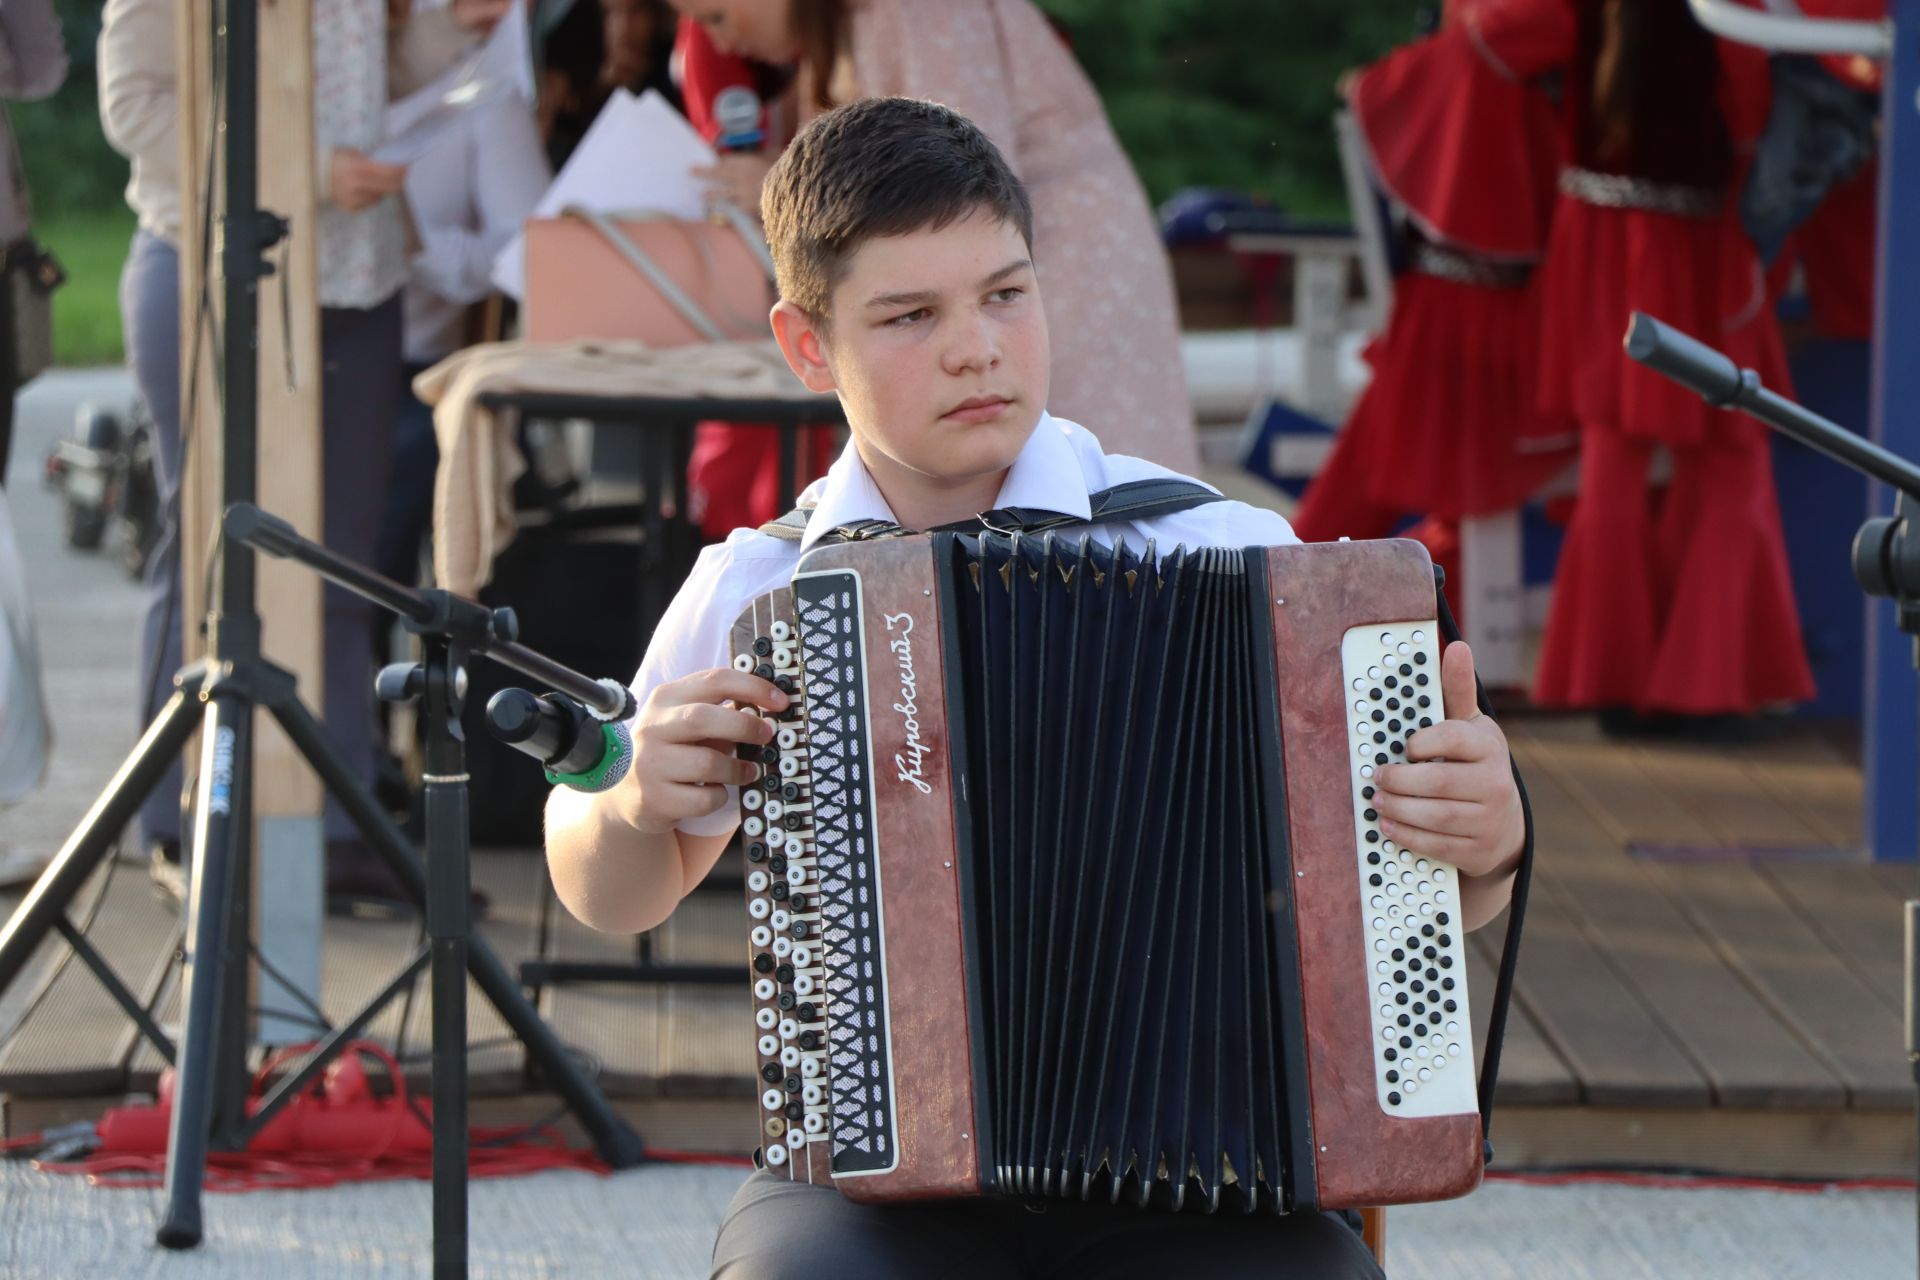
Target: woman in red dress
<point x="1467" y="153"/>
<point x="1676" y="604"/>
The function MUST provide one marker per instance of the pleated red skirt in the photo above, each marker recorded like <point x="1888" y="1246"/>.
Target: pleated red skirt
<point x="1448" y="425"/>
<point x="1677" y="601"/>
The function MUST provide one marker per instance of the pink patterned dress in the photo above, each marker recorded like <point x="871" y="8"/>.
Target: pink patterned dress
<point x="1103" y="271"/>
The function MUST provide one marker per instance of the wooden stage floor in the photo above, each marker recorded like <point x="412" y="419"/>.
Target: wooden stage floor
<point x="1711" y="979"/>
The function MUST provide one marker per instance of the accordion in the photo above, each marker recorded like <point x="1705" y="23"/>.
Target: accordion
<point x="1063" y="881"/>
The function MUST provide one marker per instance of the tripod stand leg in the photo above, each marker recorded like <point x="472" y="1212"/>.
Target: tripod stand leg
<point x="91" y="841"/>
<point x="223" y="813"/>
<point x="616" y="1142"/>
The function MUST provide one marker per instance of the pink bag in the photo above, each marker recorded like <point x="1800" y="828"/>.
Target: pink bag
<point x="662" y="280"/>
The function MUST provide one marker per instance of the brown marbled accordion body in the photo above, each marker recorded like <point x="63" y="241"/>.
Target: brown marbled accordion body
<point x="1362" y="1155"/>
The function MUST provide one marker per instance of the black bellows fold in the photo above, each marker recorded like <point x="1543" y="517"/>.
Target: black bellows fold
<point x="1116" y="822"/>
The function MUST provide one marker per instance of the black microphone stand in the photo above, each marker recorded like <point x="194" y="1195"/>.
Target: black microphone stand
<point x="452" y="630"/>
<point x="1886" y="551"/>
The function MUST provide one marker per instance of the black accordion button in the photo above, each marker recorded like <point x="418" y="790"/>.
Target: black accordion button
<point x="1426" y="931"/>
<point x="763" y="963"/>
<point x="1393" y="726"/>
<point x="1421" y="678"/>
<point x="792" y="821"/>
<point x="1376" y="695"/>
<point x="792" y="1085"/>
<point x="1373" y="858"/>
<point x="784" y="684"/>
<point x="1366" y="793"/>
<point x="1425" y="701"/>
<point x="771" y="1073"/>
<point x="1400" y="975"/>
<point x="1428" y="952"/>
<point x="770" y="754"/>
<point x="784" y="973"/>
<point x="789" y="791"/>
<point x="809" y="1039"/>
<point x="799" y="902"/>
<point x="1405" y="1020"/>
<point x="1418" y="986"/>
<point x="1378" y="736"/>
<point x="756" y="852"/>
<point x="1398" y="955"/>
<point x="1398" y="747"/>
<point x="1375" y="880"/>
<point x="762" y="647"/>
<point x="1393" y="1077"/>
<point x="1378" y="716"/>
<point x="1370" y="815"/>
<point x="1394" y="1098"/>
<point x="1373" y="837"/>
<point x="1446" y="984"/>
<point x="786" y="1000"/>
<point x="1405" y="670"/>
<point x="1391" y="683"/>
<point x="1392" y="1055"/>
<point x="1393" y="704"/>
<point x="808" y="1012"/>
<point x="780" y="891"/>
<point x="1419" y="1009"/>
<point x="1400" y="997"/>
<point x="1446" y="962"/>
<point x="799" y="929"/>
<point x="1421" y="1031"/>
<point x="764" y="671"/>
<point x="1451" y="1007"/>
<point x="1406" y="1042"/>
<point x="1381" y="758"/>
<point x="1445" y="941"/>
<point x="1420" y="659"/>
<point x="777" y="864"/>
<point x="771" y="784"/>
<point x="1441" y="918"/>
<point x="1426" y="722"/>
<point x="795" y="1111"/>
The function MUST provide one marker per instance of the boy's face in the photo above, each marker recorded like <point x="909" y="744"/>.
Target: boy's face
<point x="937" y="347"/>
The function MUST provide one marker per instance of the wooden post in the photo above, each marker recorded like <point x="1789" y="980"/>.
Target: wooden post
<point x="288" y="879"/>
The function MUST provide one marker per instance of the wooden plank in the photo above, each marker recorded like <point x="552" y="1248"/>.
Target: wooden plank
<point x="1746" y="1054"/>
<point x="1596" y="1022"/>
<point x="1719" y="789"/>
<point x="1834" y="1012"/>
<point x="1531" y="1073"/>
<point x="1609" y="782"/>
<point x="1820" y="782"/>
<point x="1850" y="910"/>
<point x="1772" y="1143"/>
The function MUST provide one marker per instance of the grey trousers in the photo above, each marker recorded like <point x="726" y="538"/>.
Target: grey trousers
<point x="780" y="1230"/>
<point x="360" y="367"/>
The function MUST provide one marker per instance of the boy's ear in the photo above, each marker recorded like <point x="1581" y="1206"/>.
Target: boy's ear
<point x="800" y="342"/>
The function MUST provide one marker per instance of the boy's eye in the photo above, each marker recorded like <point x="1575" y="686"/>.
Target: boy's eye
<point x="911" y="317"/>
<point x="1007" y="294"/>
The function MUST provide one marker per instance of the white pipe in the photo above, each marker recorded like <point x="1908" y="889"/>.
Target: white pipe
<point x="1782" y="33"/>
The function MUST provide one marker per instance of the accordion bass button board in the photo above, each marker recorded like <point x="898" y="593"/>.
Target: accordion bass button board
<point x="1063" y="878"/>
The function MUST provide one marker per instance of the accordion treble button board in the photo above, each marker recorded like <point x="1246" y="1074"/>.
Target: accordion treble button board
<point x="1415" y="953"/>
<point x="783" y="895"/>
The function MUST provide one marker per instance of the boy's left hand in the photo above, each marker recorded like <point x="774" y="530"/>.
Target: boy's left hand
<point x="1455" y="800"/>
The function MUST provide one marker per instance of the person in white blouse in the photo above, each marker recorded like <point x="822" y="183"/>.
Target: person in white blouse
<point x="467" y="197"/>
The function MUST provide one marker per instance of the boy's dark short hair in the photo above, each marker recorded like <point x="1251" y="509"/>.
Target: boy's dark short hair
<point x="878" y="167"/>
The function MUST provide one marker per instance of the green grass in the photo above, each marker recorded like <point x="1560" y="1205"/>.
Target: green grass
<point x="86" y="312"/>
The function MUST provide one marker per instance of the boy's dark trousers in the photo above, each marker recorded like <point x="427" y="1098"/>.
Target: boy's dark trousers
<point x="781" y="1230"/>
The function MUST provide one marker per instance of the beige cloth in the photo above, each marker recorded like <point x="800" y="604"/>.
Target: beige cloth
<point x="140" y="107"/>
<point x="1103" y="271"/>
<point x="473" y="518"/>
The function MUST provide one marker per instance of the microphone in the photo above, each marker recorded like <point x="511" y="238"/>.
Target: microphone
<point x="578" y="749"/>
<point x="736" y="111"/>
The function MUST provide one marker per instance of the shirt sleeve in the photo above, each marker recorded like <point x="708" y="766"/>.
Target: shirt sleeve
<point x="139" y="96"/>
<point x="692" y="637"/>
<point x="33" y="54"/>
<point x="505" y="172"/>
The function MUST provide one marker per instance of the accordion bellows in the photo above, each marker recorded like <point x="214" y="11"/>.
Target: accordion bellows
<point x="1063" y="882"/>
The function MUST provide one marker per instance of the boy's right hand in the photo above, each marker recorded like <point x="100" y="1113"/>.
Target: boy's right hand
<point x="683" y="747"/>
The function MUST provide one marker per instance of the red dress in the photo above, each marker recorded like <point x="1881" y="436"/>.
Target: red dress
<point x="1680" y="602"/>
<point x="733" y="472"/>
<point x="1447" y="425"/>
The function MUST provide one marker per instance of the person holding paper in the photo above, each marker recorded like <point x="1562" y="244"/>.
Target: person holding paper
<point x="1116" y="350"/>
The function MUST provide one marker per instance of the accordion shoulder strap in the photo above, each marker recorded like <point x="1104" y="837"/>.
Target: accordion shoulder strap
<point x="1516" y="911"/>
<point x="1134" y="500"/>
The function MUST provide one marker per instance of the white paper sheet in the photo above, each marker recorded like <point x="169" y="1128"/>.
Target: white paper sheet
<point x="639" y="154"/>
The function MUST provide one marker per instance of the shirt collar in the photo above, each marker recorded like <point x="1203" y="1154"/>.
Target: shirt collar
<point x="1046" y="475"/>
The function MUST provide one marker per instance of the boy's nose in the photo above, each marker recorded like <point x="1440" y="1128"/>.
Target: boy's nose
<point x="974" y="347"/>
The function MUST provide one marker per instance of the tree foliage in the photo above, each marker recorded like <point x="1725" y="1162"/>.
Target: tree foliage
<point x="1231" y="93"/>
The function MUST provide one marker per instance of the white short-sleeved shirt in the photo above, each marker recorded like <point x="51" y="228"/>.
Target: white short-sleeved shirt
<point x="1059" y="467"/>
